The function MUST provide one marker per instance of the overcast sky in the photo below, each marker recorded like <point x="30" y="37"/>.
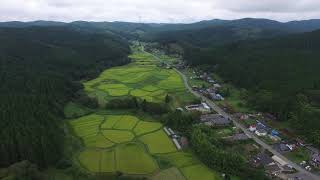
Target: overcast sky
<point x="169" y="11"/>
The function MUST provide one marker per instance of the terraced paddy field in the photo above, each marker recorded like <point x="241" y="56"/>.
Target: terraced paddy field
<point x="142" y="78"/>
<point x="131" y="145"/>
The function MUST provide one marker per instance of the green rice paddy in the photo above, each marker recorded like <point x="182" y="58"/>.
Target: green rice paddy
<point x="131" y="144"/>
<point x="142" y="78"/>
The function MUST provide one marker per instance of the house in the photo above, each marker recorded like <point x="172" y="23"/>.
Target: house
<point x="217" y="97"/>
<point x="281" y="147"/>
<point x="261" y="132"/>
<point x="291" y="146"/>
<point x="216" y="85"/>
<point x="206" y="106"/>
<point x="261" y="126"/>
<point x="315" y="160"/>
<point x="203" y="107"/>
<point x="215" y="120"/>
<point x="252" y="128"/>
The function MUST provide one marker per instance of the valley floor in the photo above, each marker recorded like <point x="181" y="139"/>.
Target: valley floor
<point x="129" y="143"/>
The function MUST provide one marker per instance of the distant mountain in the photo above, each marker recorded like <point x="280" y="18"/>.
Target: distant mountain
<point x="212" y="33"/>
<point x="138" y="30"/>
<point x="304" y="26"/>
<point x="19" y="24"/>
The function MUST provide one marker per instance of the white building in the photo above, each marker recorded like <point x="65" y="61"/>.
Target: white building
<point x="261" y="132"/>
<point x="167" y="131"/>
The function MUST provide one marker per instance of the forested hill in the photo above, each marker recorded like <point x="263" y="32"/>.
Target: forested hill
<point x="214" y="35"/>
<point x="281" y="74"/>
<point x="39" y="70"/>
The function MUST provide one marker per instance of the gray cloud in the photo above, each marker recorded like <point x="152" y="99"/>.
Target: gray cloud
<point x="156" y="10"/>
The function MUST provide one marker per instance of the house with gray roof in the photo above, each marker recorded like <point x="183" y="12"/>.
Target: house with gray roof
<point x="215" y="120"/>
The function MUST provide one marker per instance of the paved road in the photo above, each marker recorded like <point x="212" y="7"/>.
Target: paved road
<point x="309" y="175"/>
<point x="245" y="130"/>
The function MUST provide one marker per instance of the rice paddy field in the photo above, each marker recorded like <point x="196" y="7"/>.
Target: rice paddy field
<point x="142" y="78"/>
<point x="134" y="144"/>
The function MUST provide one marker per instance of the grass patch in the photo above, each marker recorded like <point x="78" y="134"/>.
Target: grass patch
<point x="132" y="159"/>
<point x="158" y="142"/>
<point x="299" y="155"/>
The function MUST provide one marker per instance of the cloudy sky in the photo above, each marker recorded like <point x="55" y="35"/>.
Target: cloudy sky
<point x="171" y="11"/>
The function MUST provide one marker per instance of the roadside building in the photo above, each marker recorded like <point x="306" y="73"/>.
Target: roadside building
<point x="215" y="120"/>
<point x="252" y="128"/>
<point x="217" y="86"/>
<point x="315" y="160"/>
<point x="281" y="147"/>
<point x="176" y="143"/>
<point x="217" y="97"/>
<point x="167" y="131"/>
<point x="171" y="131"/>
<point x="261" y="132"/>
<point x="203" y="107"/>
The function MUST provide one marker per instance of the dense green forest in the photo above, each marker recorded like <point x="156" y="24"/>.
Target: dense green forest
<point x="39" y="72"/>
<point x="280" y="74"/>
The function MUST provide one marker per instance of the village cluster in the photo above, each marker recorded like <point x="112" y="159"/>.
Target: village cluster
<point x="280" y="141"/>
<point x="274" y="165"/>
